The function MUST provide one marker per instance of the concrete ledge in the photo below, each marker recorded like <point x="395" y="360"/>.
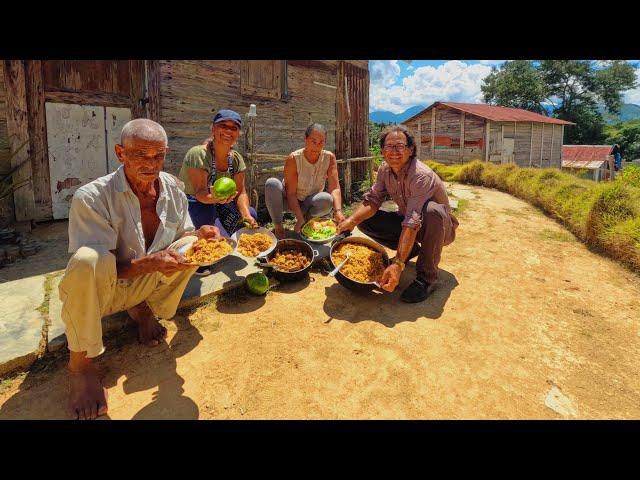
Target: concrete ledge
<point x="230" y="274"/>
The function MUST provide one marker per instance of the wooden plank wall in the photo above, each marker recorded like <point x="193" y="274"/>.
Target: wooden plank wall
<point x="448" y="130"/>
<point x="546" y="145"/>
<point x="358" y="89"/>
<point x="522" y="144"/>
<point x="6" y="203"/>
<point x="90" y="76"/>
<point x="423" y="136"/>
<point x="18" y="134"/>
<point x="192" y="90"/>
<point x="473" y="138"/>
<point x="495" y="142"/>
<point x="556" y="154"/>
<point x="535" y="143"/>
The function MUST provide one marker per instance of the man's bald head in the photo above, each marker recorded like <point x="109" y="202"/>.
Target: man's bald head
<point x="143" y="129"/>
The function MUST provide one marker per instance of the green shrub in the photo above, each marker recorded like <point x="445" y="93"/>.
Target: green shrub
<point x="630" y="175"/>
<point x="603" y="215"/>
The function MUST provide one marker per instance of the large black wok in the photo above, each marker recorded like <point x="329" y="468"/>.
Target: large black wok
<point x="354" y="284"/>
<point x="290" y="244"/>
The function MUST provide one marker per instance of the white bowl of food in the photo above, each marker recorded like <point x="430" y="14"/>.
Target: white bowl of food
<point x="205" y="251"/>
<point x="254" y="242"/>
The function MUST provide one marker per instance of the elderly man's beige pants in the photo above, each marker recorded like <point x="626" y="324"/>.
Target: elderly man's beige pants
<point x="90" y="290"/>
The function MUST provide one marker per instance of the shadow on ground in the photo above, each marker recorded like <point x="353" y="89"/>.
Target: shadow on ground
<point x="43" y="392"/>
<point x="387" y="308"/>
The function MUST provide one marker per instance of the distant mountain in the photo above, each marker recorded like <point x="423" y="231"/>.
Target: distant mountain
<point x="629" y="111"/>
<point x="388" y="117"/>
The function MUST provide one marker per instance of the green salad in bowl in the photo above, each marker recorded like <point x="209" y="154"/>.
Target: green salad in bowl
<point x="319" y="229"/>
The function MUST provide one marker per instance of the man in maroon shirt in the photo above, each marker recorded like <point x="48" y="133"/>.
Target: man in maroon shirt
<point x="424" y="222"/>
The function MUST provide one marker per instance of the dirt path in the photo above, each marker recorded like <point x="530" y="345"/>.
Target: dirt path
<point x="526" y="323"/>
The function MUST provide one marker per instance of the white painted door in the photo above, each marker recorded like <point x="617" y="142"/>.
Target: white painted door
<point x="77" y="155"/>
<point x="81" y="141"/>
<point x="115" y="118"/>
<point x="507" y="150"/>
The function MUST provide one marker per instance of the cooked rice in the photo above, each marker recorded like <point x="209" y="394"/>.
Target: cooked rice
<point x="208" y="250"/>
<point x="364" y="265"/>
<point x="290" y="260"/>
<point x="250" y="245"/>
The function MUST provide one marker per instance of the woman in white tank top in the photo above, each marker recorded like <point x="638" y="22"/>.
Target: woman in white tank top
<point x="306" y="172"/>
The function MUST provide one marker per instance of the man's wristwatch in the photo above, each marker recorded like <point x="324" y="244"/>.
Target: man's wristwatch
<point x="398" y="262"/>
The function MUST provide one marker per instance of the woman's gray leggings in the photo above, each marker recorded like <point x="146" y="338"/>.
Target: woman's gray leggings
<point x="315" y="205"/>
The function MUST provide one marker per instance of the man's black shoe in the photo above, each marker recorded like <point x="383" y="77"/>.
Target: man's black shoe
<point x="203" y="271"/>
<point x="418" y="291"/>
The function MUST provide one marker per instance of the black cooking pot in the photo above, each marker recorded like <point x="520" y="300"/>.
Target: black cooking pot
<point x="353" y="284"/>
<point x="290" y="244"/>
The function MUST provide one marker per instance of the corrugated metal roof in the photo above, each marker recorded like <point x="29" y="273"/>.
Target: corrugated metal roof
<point x="591" y="165"/>
<point x="497" y="114"/>
<point x="586" y="153"/>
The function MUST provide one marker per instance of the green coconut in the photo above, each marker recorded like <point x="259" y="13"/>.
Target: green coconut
<point x="257" y="283"/>
<point x="224" y="187"/>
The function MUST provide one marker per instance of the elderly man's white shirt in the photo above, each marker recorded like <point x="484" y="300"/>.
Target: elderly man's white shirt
<point x="105" y="215"/>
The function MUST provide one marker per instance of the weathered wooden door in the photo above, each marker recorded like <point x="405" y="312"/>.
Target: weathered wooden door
<point x="507" y="150"/>
<point x="80" y="141"/>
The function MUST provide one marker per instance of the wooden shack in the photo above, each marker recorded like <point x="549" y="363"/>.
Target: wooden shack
<point x="596" y="161"/>
<point x="68" y="115"/>
<point x="450" y="132"/>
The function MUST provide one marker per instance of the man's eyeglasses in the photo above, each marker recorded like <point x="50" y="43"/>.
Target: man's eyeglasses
<point x="398" y="147"/>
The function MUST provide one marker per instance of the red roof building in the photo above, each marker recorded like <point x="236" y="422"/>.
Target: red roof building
<point x="451" y="132"/>
<point x="585" y="156"/>
<point x="597" y="158"/>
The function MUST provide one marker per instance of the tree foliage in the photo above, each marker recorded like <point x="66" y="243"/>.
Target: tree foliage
<point x="627" y="135"/>
<point x="518" y="84"/>
<point x="574" y="88"/>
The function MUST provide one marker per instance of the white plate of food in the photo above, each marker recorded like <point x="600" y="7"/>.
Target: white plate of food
<point x="254" y="242"/>
<point x="203" y="252"/>
<point x="319" y="230"/>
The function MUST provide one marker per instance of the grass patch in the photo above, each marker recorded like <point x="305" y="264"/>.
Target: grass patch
<point x="556" y="236"/>
<point x="606" y="216"/>
<point x="8" y="382"/>
<point x="463" y="204"/>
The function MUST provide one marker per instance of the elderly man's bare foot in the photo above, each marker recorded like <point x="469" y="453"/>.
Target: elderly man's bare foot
<point x="87" y="396"/>
<point x="150" y="332"/>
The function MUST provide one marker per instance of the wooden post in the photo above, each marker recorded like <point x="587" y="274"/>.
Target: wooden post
<point x="553" y="133"/>
<point x="502" y="144"/>
<point x="37" y="122"/>
<point x="542" y="143"/>
<point x="487" y="135"/>
<point x="153" y="90"/>
<point x="531" y="146"/>
<point x="137" y="88"/>
<point x="18" y="133"/>
<point x="347" y="180"/>
<point x="433" y="134"/>
<point x="461" y="154"/>
<point x="515" y="141"/>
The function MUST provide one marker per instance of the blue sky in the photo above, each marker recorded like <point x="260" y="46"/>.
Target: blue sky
<point x="397" y="85"/>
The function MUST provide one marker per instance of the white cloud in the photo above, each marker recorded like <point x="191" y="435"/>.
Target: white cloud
<point x="455" y="81"/>
<point x="384" y="73"/>
<point x="633" y="96"/>
<point x="492" y="62"/>
<point x="411" y="67"/>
